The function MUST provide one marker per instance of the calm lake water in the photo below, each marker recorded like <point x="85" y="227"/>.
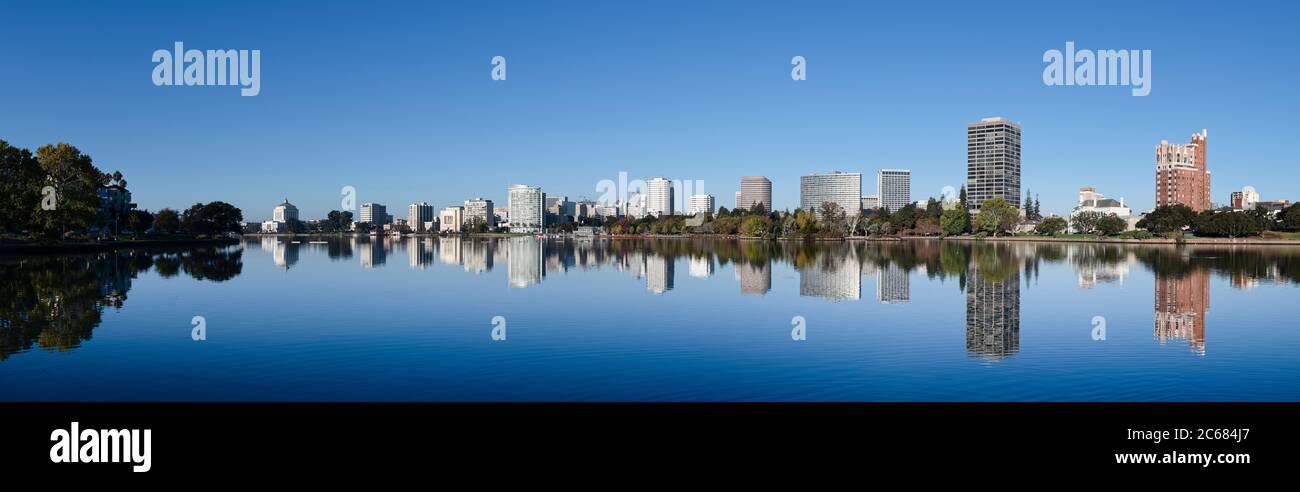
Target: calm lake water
<point x="413" y="319"/>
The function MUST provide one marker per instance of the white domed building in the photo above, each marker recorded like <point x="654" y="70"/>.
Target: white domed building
<point x="280" y="217"/>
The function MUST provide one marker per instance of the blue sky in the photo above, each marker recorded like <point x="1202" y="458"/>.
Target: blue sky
<point x="395" y="98"/>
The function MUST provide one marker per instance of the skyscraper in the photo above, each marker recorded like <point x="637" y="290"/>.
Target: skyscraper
<point x="417" y="214"/>
<point x="700" y="204"/>
<point x="894" y="187"/>
<point x="374" y="213"/>
<point x="1182" y="174"/>
<point x="755" y="189"/>
<point x="527" y="209"/>
<point x="479" y="210"/>
<point x="992" y="161"/>
<point x="843" y="189"/>
<point x="659" y="197"/>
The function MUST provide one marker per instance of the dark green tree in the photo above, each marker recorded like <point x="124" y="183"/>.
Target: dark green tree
<point x="76" y="182"/>
<point x="20" y="188"/>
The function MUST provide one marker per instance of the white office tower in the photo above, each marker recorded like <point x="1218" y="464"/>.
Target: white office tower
<point x="527" y="209"/>
<point x="700" y="204"/>
<point x="659" y="197"/>
<point x="895" y="188"/>
<point x="418" y="214"/>
<point x="843" y="189"/>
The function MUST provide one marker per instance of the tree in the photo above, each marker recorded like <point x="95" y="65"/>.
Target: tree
<point x="139" y="221"/>
<point x="1051" y="226"/>
<point x="1111" y="225"/>
<point x="1289" y="218"/>
<point x="934" y="209"/>
<point x="1038" y="209"/>
<point x="757" y="209"/>
<point x="1228" y="224"/>
<point x="1167" y="218"/>
<point x="211" y="218"/>
<point x="961" y="198"/>
<point x="754" y="226"/>
<point x="832" y="216"/>
<point x="20" y="187"/>
<point x="1260" y="215"/>
<point x="76" y="183"/>
<point x="1085" y="222"/>
<point x="926" y="226"/>
<point x="904" y="218"/>
<point x="1028" y="207"/>
<point x="166" y="221"/>
<point x="954" y="222"/>
<point x="996" y="217"/>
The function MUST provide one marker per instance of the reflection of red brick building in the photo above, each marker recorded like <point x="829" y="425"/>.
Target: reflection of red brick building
<point x="1182" y="175"/>
<point x="1181" y="303"/>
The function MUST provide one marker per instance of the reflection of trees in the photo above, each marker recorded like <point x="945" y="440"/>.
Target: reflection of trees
<point x="1277" y="264"/>
<point x="55" y="302"/>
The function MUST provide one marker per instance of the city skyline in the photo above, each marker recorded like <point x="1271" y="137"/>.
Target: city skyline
<point x="717" y="109"/>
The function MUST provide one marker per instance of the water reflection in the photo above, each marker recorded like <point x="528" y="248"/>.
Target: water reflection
<point x="55" y="302"/>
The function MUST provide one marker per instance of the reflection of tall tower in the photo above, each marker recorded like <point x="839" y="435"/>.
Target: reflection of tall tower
<point x="992" y="314"/>
<point x="371" y="252"/>
<point x="419" y="252"/>
<point x="449" y="250"/>
<point x="893" y="285"/>
<point x="478" y="255"/>
<point x="659" y="273"/>
<point x="754" y="278"/>
<point x="832" y="275"/>
<point x="1181" y="303"/>
<point x="524" y="266"/>
<point x="700" y="266"/>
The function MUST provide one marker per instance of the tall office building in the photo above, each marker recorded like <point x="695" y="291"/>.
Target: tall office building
<point x="700" y="204"/>
<point x="480" y="210"/>
<point x="894" y="187"/>
<point x="527" y="209"/>
<point x="418" y="214"/>
<point x="374" y="213"/>
<point x="843" y="189"/>
<point x="659" y="197"/>
<point x="737" y="200"/>
<point x="992" y="161"/>
<point x="755" y="189"/>
<point x="1182" y="175"/>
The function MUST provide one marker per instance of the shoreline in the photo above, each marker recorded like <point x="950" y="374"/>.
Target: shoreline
<point x="100" y="247"/>
<point x="1214" y="241"/>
